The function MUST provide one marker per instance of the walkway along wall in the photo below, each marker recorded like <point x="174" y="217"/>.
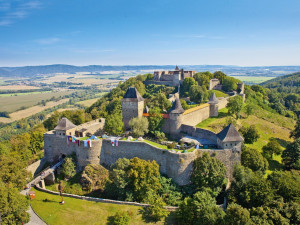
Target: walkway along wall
<point x="175" y="165"/>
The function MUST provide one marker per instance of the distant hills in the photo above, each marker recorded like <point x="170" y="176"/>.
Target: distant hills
<point x="289" y="83"/>
<point x="31" y="71"/>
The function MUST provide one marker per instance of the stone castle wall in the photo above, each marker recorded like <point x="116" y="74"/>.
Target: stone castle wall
<point x="95" y="127"/>
<point x="196" y="117"/>
<point x="175" y="165"/>
<point x="222" y="102"/>
<point x="58" y="146"/>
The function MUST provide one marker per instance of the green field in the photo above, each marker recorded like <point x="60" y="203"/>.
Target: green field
<point x="76" y="211"/>
<point x="14" y="103"/>
<point x="26" y="93"/>
<point x="253" y="79"/>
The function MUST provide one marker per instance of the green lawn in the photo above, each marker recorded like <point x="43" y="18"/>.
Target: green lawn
<point x="76" y="211"/>
<point x="220" y="93"/>
<point x="223" y="113"/>
<point x="156" y="144"/>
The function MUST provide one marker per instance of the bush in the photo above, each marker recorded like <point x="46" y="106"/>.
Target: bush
<point x="171" y="145"/>
<point x="250" y="134"/>
<point x="121" y="218"/>
<point x="68" y="169"/>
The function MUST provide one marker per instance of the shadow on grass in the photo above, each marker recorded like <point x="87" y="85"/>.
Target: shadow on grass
<point x="171" y="219"/>
<point x="282" y="142"/>
<point x="110" y="220"/>
<point x="275" y="165"/>
<point x="222" y="114"/>
<point x="46" y="200"/>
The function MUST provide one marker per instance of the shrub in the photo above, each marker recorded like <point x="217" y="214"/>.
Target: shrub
<point x="121" y="218"/>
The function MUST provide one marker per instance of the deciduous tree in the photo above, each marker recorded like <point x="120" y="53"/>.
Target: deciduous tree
<point x="254" y="160"/>
<point x="139" y="126"/>
<point x="208" y="172"/>
<point x="291" y="155"/>
<point x="235" y="105"/>
<point x="273" y="147"/>
<point x="114" y="124"/>
<point x="200" y="209"/>
<point x="237" y="215"/>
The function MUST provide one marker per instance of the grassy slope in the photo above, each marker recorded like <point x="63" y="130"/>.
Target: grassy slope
<point x="76" y="211"/>
<point x="220" y="93"/>
<point x="269" y="125"/>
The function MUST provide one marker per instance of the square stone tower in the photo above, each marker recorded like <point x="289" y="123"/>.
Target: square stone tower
<point x="132" y="105"/>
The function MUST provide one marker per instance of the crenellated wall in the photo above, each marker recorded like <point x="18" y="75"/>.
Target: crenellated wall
<point x="175" y="165"/>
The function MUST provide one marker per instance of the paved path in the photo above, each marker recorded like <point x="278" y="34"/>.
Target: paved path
<point x="34" y="218"/>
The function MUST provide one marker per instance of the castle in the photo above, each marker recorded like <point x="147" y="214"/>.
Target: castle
<point x="66" y="139"/>
<point x="174" y="78"/>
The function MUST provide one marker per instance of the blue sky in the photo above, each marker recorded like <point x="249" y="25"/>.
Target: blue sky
<point x="135" y="32"/>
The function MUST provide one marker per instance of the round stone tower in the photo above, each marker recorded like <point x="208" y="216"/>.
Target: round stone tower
<point x="176" y="118"/>
<point x="132" y="105"/>
<point x="213" y="105"/>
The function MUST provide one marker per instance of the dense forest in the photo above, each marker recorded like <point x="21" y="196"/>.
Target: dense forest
<point x="254" y="197"/>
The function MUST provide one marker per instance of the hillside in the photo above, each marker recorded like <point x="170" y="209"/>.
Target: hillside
<point x="269" y="125"/>
<point x="289" y="83"/>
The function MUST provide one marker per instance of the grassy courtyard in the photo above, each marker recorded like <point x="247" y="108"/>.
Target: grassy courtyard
<point x="76" y="211"/>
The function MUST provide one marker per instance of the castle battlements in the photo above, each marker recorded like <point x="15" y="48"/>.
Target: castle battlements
<point x="67" y="139"/>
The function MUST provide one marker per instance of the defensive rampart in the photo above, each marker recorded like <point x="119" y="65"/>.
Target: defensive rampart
<point x="175" y="165"/>
<point x="196" y="115"/>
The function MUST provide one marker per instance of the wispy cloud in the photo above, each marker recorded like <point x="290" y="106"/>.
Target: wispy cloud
<point x="48" y="41"/>
<point x="15" y="10"/>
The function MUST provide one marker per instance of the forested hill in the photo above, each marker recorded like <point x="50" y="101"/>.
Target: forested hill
<point x="289" y="83"/>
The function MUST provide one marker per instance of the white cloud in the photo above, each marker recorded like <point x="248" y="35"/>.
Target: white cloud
<point x="16" y="10"/>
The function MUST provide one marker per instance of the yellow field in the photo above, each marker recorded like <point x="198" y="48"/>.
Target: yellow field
<point x="78" y="78"/>
<point x="89" y="102"/>
<point x="14" y="103"/>
<point x="30" y="111"/>
<point x="18" y="87"/>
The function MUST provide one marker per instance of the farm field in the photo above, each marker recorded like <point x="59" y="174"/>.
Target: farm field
<point x="79" y="78"/>
<point x="31" y="111"/>
<point x="25" y="93"/>
<point x="253" y="79"/>
<point x="77" y="211"/>
<point x="88" y="103"/>
<point x="18" y="87"/>
<point x="14" y="103"/>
